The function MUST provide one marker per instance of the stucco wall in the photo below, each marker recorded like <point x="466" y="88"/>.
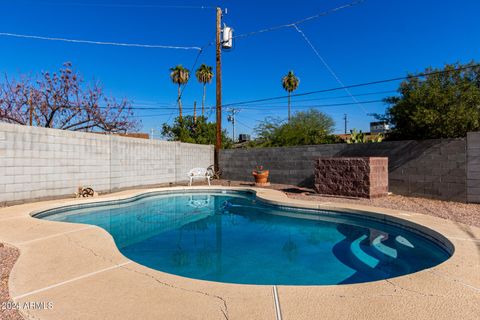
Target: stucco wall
<point x="38" y="163"/>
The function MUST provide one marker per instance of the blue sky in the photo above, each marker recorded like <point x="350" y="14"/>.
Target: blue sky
<point x="375" y="40"/>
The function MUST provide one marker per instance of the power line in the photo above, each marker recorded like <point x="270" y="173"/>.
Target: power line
<point x="151" y="104"/>
<point x="170" y="116"/>
<point x="202" y="49"/>
<point x="246" y="108"/>
<point x="249" y="118"/>
<point x="422" y="74"/>
<point x="151" y="115"/>
<point x="295" y="25"/>
<point x="113" y="5"/>
<point x="289" y="25"/>
<point x="139" y="107"/>
<point x="315" y="106"/>
<point x="245" y="125"/>
<point x="332" y="98"/>
<point x="250" y="104"/>
<point x="118" y="44"/>
<point x="327" y="66"/>
<point x="266" y="108"/>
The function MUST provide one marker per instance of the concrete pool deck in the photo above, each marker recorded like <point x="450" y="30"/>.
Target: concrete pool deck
<point x="79" y="270"/>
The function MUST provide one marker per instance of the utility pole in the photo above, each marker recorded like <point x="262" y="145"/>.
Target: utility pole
<point x="231" y="118"/>
<point x="218" y="143"/>
<point x="345" y="118"/>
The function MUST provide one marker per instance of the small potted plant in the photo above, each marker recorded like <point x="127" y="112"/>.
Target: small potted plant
<point x="260" y="175"/>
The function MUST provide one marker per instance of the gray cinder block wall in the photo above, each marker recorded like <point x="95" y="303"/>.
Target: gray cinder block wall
<point x="428" y="168"/>
<point x="38" y="163"/>
<point x="473" y="167"/>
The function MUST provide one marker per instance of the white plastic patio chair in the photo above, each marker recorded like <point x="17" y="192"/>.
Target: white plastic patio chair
<point x="199" y="173"/>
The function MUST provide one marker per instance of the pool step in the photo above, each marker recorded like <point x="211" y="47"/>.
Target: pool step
<point x="361" y="255"/>
<point x="384" y="249"/>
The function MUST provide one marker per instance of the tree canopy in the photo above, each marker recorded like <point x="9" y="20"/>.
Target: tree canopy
<point x="445" y="104"/>
<point x="63" y="101"/>
<point x="204" y="75"/>
<point x="305" y="128"/>
<point x="191" y="130"/>
<point x="290" y="83"/>
<point x="179" y="76"/>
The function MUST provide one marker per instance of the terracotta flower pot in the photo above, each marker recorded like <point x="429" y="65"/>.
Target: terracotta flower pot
<point x="261" y="177"/>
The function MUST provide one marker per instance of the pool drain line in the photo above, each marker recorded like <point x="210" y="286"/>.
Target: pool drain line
<point x="278" y="313"/>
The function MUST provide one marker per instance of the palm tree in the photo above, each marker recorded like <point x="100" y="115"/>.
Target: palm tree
<point x="290" y="83"/>
<point x="204" y="75"/>
<point x="179" y="76"/>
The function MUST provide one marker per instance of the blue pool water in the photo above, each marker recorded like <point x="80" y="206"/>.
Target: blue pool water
<point x="233" y="237"/>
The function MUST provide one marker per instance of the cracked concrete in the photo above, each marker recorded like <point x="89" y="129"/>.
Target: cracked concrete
<point x="396" y="286"/>
<point x="224" y="307"/>
<point x="71" y="256"/>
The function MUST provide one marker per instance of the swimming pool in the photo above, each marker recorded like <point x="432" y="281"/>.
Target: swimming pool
<point x="234" y="237"/>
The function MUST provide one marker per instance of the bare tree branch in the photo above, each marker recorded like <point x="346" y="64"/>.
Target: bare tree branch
<point x="62" y="100"/>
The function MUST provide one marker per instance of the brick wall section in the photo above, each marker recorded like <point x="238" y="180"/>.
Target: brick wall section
<point x="352" y="177"/>
<point x="378" y="177"/>
<point x="473" y="167"/>
<point x="428" y="168"/>
<point x="38" y="163"/>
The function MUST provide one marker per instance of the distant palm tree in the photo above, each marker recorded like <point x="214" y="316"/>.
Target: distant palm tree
<point x="290" y="83"/>
<point x="204" y="75"/>
<point x="179" y="76"/>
